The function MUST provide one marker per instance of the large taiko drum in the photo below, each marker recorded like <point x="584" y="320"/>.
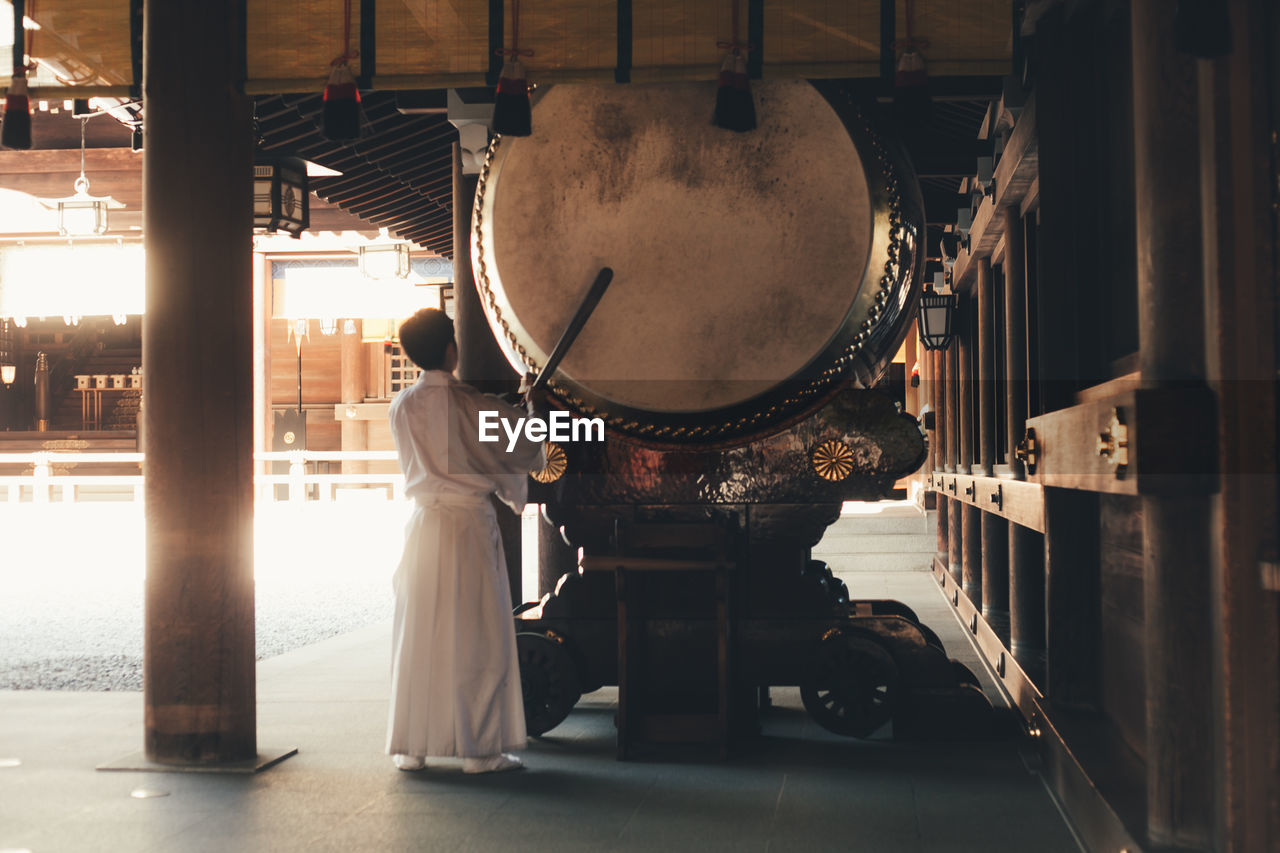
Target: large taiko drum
<point x="754" y="273"/>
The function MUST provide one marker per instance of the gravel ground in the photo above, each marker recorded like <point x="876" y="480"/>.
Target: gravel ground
<point x="71" y="604"/>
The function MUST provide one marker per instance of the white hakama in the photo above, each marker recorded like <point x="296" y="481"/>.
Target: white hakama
<point x="455" y="680"/>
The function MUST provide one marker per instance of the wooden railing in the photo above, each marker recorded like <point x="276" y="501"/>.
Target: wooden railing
<point x="46" y="484"/>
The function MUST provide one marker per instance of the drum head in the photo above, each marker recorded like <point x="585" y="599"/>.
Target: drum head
<point x="737" y="257"/>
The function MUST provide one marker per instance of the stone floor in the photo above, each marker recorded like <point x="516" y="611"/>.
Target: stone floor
<point x="797" y="788"/>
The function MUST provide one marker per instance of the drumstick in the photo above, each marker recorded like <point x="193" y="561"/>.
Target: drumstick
<point x="579" y="319"/>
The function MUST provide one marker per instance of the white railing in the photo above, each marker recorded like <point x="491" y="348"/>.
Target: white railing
<point x="44" y="485"/>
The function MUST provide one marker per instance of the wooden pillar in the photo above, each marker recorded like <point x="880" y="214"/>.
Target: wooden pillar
<point x="952" y="390"/>
<point x="354" y="356"/>
<point x="198" y="665"/>
<point x="1175" y="527"/>
<point x="995" y="574"/>
<point x="939" y="361"/>
<point x="480" y="361"/>
<point x="955" y="539"/>
<point x="971" y="553"/>
<point x="1015" y="336"/>
<point x="940" y="457"/>
<point x="1238" y="116"/>
<point x="926" y="397"/>
<point x="1072" y="558"/>
<point x="1027" y="600"/>
<point x="986" y="371"/>
<point x="994" y="547"/>
<point x="943" y="519"/>
<point x="963" y="345"/>
<point x="970" y="572"/>
<point x="1026" y="557"/>
<point x="940" y="408"/>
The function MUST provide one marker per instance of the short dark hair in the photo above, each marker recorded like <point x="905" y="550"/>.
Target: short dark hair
<point x="424" y="337"/>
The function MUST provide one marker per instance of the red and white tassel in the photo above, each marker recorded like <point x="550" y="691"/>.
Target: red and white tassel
<point x="735" y="108"/>
<point x="341" y="104"/>
<point x="911" y="70"/>
<point x="512" y="112"/>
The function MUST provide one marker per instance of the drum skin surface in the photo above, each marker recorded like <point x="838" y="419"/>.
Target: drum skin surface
<point x="754" y="273"/>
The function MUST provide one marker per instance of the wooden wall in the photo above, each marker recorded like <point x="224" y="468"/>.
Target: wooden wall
<point x="321" y="381"/>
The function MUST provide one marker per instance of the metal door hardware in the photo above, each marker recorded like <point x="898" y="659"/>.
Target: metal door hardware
<point x="1113" y="443"/>
<point x="1028" y="450"/>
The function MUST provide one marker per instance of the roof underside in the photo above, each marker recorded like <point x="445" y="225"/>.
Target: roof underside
<point x="398" y="175"/>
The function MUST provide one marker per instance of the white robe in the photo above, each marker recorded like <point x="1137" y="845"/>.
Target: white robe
<point x="455" y="680"/>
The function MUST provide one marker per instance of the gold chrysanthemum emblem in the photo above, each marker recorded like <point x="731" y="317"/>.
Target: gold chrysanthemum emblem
<point x="557" y="462"/>
<point x="833" y="460"/>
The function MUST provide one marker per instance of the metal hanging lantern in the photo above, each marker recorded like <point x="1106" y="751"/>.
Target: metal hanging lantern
<point x="384" y="258"/>
<point x="936" y="311"/>
<point x="280" y="196"/>
<point x="82" y="214"/>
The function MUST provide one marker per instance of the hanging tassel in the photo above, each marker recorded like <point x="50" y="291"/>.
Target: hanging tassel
<point x="16" y="130"/>
<point x="911" y="101"/>
<point x="341" y="95"/>
<point x="341" y="105"/>
<point x="735" y="108"/>
<point x="911" y="71"/>
<point x="512" y="113"/>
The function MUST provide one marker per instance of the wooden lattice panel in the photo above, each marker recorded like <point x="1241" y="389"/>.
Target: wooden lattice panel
<point x="670" y="34"/>
<point x="401" y="372"/>
<point x="817" y="33"/>
<point x="572" y="35"/>
<point x="298" y="40"/>
<point x="434" y="43"/>
<point x="433" y="37"/>
<point x="80" y="42"/>
<point x="965" y="36"/>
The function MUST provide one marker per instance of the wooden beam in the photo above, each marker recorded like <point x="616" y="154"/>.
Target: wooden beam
<point x="1018" y="501"/>
<point x="68" y="160"/>
<point x="1171" y="443"/>
<point x="1013" y="177"/>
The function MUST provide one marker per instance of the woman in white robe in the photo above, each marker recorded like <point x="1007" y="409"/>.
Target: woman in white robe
<point x="455" y="679"/>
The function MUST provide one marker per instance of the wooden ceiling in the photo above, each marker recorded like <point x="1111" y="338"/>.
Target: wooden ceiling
<point x="398" y="174"/>
<point x="417" y="44"/>
<point x="112" y="168"/>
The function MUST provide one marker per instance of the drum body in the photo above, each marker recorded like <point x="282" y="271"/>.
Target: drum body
<point x="755" y="273"/>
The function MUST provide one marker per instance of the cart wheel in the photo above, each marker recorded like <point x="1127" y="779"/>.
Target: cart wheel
<point x="930" y="637"/>
<point x="853" y="685"/>
<point x="548" y="680"/>
<point x="963" y="674"/>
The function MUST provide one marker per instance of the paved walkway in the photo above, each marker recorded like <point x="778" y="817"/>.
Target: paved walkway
<point x="797" y="788"/>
